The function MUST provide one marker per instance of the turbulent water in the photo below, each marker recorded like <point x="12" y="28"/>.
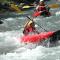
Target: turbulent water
<point x="11" y="30"/>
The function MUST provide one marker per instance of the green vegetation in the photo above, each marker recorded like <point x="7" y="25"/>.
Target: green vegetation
<point x="17" y="1"/>
<point x="3" y="0"/>
<point x="4" y="4"/>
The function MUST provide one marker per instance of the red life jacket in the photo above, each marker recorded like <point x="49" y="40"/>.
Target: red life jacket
<point x="41" y="8"/>
<point x="29" y="29"/>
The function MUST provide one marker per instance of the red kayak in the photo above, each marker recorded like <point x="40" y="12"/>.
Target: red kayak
<point x="35" y="14"/>
<point x="36" y="37"/>
<point x="38" y="13"/>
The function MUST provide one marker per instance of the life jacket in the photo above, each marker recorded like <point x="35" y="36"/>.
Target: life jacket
<point x="42" y="8"/>
<point x="29" y="29"/>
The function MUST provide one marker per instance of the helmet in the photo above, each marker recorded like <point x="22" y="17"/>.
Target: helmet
<point x="41" y="3"/>
<point x="41" y="0"/>
<point x="30" y="22"/>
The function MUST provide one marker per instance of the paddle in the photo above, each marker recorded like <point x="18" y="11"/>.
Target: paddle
<point x="27" y="6"/>
<point x="54" y="5"/>
<point x="37" y="24"/>
<point x="51" y="6"/>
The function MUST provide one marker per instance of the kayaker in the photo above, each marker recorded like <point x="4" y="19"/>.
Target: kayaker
<point x="29" y="27"/>
<point x="42" y="8"/>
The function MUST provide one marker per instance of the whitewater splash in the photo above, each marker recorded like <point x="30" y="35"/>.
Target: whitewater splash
<point x="8" y="41"/>
<point x="39" y="53"/>
<point x="12" y="49"/>
<point x="58" y="13"/>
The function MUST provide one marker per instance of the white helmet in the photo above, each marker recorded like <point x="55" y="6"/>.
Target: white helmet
<point x="41" y="0"/>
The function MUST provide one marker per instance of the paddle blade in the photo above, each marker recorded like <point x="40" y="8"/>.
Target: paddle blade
<point x="27" y="7"/>
<point x="54" y="5"/>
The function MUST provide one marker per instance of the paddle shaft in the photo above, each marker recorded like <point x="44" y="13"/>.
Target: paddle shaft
<point x="37" y="24"/>
<point x="51" y="5"/>
<point x="42" y="27"/>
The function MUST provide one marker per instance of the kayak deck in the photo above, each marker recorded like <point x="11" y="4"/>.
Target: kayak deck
<point x="36" y="37"/>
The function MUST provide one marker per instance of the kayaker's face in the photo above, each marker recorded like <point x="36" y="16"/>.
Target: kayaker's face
<point x="41" y="3"/>
<point x="32" y="24"/>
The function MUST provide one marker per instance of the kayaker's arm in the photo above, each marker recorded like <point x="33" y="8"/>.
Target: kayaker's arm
<point x="36" y="8"/>
<point x="26" y="24"/>
<point x="47" y="7"/>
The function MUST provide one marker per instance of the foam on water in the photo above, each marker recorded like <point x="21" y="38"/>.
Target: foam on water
<point x="8" y="41"/>
<point x="58" y="13"/>
<point x="9" y="19"/>
<point x="12" y="49"/>
<point x="39" y="53"/>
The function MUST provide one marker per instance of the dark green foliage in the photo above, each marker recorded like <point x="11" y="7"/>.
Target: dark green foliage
<point x="24" y="1"/>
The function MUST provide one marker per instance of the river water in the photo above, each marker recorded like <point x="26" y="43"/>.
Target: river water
<point x="11" y="30"/>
